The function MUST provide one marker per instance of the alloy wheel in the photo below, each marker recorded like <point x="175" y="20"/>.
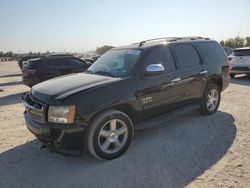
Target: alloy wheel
<point x="113" y="136"/>
<point x="212" y="99"/>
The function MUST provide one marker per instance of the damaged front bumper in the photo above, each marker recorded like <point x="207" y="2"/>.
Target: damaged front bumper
<point x="64" y="139"/>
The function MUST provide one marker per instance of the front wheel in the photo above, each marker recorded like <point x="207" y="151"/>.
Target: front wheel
<point x="210" y="101"/>
<point x="110" y="134"/>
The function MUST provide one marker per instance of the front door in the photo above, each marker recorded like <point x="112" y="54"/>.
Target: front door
<point x="159" y="93"/>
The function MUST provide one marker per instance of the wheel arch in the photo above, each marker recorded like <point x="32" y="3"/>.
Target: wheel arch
<point x="217" y="80"/>
<point x="126" y="108"/>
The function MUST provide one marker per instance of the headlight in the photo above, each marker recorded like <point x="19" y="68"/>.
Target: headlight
<point x="62" y="114"/>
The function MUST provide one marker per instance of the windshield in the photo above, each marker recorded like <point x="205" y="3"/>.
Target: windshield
<point x="245" y="52"/>
<point x="117" y="63"/>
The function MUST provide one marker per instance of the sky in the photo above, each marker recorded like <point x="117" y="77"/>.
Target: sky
<point x="82" y="25"/>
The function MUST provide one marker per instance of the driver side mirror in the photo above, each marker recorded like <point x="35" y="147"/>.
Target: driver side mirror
<point x="154" y="69"/>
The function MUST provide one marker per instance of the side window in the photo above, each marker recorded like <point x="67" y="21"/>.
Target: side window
<point x="162" y="56"/>
<point x="57" y="63"/>
<point x="187" y="55"/>
<point x="211" y="52"/>
<point x="76" y="63"/>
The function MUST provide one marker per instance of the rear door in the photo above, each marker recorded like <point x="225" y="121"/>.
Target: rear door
<point x="159" y="93"/>
<point x="192" y="70"/>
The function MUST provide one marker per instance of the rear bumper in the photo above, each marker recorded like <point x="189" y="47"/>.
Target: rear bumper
<point x="240" y="69"/>
<point x="64" y="140"/>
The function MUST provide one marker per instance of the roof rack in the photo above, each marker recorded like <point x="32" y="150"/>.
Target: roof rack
<point x="171" y="39"/>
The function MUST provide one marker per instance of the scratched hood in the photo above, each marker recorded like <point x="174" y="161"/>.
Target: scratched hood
<point x="55" y="90"/>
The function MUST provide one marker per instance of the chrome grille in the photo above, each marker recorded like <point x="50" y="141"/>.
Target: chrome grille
<point x="34" y="108"/>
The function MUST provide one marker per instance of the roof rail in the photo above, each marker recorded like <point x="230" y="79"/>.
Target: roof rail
<point x="158" y="39"/>
<point x="171" y="39"/>
<point x="193" y="38"/>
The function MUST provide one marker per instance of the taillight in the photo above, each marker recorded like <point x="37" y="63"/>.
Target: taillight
<point x="31" y="71"/>
<point x="229" y="62"/>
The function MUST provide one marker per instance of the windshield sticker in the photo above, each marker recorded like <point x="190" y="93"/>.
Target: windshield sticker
<point x="134" y="52"/>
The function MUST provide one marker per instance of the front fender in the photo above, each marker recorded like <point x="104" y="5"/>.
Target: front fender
<point x="92" y="101"/>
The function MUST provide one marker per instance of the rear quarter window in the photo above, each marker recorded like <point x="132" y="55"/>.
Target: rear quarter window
<point x="33" y="64"/>
<point x="211" y="52"/>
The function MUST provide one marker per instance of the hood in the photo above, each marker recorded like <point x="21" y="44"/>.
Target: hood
<point x="54" y="90"/>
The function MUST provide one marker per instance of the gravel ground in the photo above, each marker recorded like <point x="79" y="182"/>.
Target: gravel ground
<point x="177" y="149"/>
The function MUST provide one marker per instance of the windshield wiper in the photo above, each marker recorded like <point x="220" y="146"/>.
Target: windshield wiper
<point x="105" y="73"/>
<point x="89" y="71"/>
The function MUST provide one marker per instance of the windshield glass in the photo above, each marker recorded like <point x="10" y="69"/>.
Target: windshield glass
<point x="117" y="63"/>
<point x="245" y="52"/>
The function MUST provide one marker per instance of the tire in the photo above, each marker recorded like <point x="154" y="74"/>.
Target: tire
<point x="207" y="99"/>
<point x="104" y="141"/>
<point x="232" y="75"/>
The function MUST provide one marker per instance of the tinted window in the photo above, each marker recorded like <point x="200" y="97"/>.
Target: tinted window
<point x="187" y="55"/>
<point x="211" y="52"/>
<point x="58" y="62"/>
<point x="33" y="64"/>
<point x="228" y="50"/>
<point x="76" y="63"/>
<point x="245" y="52"/>
<point x="162" y="56"/>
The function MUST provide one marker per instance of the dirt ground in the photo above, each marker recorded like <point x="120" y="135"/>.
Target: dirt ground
<point x="177" y="149"/>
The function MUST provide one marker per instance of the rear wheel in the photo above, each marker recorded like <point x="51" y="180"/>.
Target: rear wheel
<point x="211" y="99"/>
<point x="110" y="134"/>
<point x="232" y="75"/>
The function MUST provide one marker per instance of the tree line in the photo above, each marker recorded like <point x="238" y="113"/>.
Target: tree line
<point x="7" y="54"/>
<point x="101" y="50"/>
<point x="11" y="54"/>
<point x="236" y="42"/>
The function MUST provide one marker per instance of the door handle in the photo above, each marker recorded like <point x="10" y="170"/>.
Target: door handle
<point x="176" y="80"/>
<point x="203" y="72"/>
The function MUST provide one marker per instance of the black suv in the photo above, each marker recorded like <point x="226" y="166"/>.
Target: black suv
<point x="97" y="110"/>
<point x="41" y="69"/>
<point x="27" y="58"/>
